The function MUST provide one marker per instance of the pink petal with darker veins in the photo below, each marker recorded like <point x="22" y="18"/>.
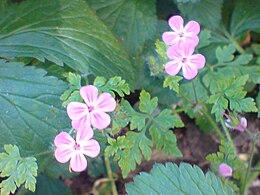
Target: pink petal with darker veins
<point x="173" y="68"/>
<point x="174" y="52"/>
<point x="64" y="139"/>
<point x="197" y="61"/>
<point x="78" y="162"/>
<point x="84" y="135"/>
<point x="192" y="27"/>
<point x="89" y="94"/>
<point x="63" y="154"/>
<point x="91" y="148"/>
<point x="170" y="38"/>
<point x="192" y="39"/>
<point x="99" y="119"/>
<point x="77" y="110"/>
<point x="105" y="103"/>
<point x="176" y="23"/>
<point x="188" y="72"/>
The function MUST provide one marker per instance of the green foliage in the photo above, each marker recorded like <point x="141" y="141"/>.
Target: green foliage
<point x="113" y="84"/>
<point x="18" y="170"/>
<point x="31" y="113"/>
<point x="72" y="94"/>
<point x="228" y="155"/>
<point x="204" y="37"/>
<point x="70" y="33"/>
<point x="246" y="16"/>
<point x="172" y="82"/>
<point x="171" y="179"/>
<point x="195" y="10"/>
<point x="230" y="93"/>
<point x="46" y="186"/>
<point x="129" y="149"/>
<point x="133" y="21"/>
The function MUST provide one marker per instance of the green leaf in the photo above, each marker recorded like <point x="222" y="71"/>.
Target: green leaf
<point x="172" y="82"/>
<point x="18" y="170"/>
<point x="171" y="179"/>
<point x="204" y="38"/>
<point x="50" y="186"/>
<point x="31" y="113"/>
<point x="225" y="54"/>
<point x="134" y="21"/>
<point x="246" y="16"/>
<point x="147" y="105"/>
<point x="63" y="31"/>
<point x="113" y="84"/>
<point x="205" y="12"/>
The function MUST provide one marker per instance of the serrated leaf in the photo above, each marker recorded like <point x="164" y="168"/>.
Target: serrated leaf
<point x="246" y="16"/>
<point x="114" y="84"/>
<point x="147" y="105"/>
<point x="220" y="104"/>
<point x="134" y="21"/>
<point x="195" y="10"/>
<point x="31" y="113"/>
<point x="172" y="82"/>
<point x="63" y="31"/>
<point x="18" y="170"/>
<point x="171" y="179"/>
<point x="225" y="54"/>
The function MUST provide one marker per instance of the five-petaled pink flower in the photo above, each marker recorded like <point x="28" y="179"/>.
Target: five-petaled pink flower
<point x="181" y="57"/>
<point x="74" y="150"/>
<point x="181" y="34"/>
<point x="93" y="111"/>
<point x="225" y="170"/>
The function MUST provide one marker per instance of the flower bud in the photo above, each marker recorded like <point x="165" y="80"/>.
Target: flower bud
<point x="232" y="124"/>
<point x="225" y="170"/>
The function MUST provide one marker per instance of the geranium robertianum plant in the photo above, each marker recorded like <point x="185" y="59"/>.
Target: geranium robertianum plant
<point x="67" y="66"/>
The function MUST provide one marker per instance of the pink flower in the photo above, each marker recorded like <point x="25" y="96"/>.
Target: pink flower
<point x="181" y="57"/>
<point x="225" y="170"/>
<point x="74" y="150"/>
<point x="93" y="111"/>
<point x="180" y="34"/>
<point x="240" y="127"/>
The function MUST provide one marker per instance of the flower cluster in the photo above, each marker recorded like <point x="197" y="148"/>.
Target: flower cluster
<point x="84" y="116"/>
<point x="182" y="41"/>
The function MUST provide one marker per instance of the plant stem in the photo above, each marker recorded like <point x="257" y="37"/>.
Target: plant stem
<point x="226" y="131"/>
<point x="110" y="175"/>
<point x="244" y="185"/>
<point x="194" y="90"/>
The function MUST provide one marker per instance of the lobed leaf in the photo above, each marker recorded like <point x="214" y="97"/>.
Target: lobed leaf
<point x="147" y="105"/>
<point x="18" y="170"/>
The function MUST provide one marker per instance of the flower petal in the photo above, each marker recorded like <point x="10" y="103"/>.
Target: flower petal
<point x="172" y="68"/>
<point x="189" y="72"/>
<point x="186" y="49"/>
<point x="192" y="39"/>
<point x="225" y="170"/>
<point x="174" y="52"/>
<point x="105" y="103"/>
<point x="89" y="94"/>
<point x="78" y="162"/>
<point x="197" y="61"/>
<point x="192" y="27"/>
<point x="91" y="148"/>
<point x="170" y="38"/>
<point x="81" y="123"/>
<point x="176" y="23"/>
<point x="77" y="110"/>
<point x="64" y="139"/>
<point x="84" y="134"/>
<point x="99" y="119"/>
<point x="63" y="154"/>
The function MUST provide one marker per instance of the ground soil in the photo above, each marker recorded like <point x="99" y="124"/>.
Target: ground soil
<point x="193" y="143"/>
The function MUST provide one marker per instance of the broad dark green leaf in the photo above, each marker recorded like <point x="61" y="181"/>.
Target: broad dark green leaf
<point x="31" y="113"/>
<point x="246" y="16"/>
<point x="134" y="21"/>
<point x="63" y="31"/>
<point x="48" y="186"/>
<point x="171" y="179"/>
<point x="206" y="12"/>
